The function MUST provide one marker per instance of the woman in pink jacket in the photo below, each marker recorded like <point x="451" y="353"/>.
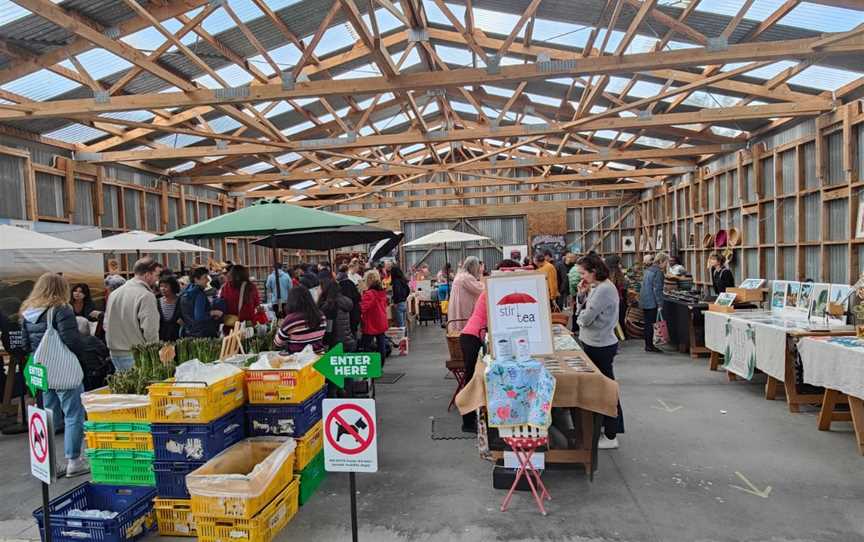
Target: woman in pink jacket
<point x="466" y="290"/>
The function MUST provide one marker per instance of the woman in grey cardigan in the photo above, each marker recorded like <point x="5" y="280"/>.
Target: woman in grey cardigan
<point x="597" y="321"/>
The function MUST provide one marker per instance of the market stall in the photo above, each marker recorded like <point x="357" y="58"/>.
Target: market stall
<point x="579" y="386"/>
<point x="767" y="340"/>
<point x="685" y="316"/>
<point x="837" y="364"/>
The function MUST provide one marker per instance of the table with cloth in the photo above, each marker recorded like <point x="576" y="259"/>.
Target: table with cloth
<point x="579" y="386"/>
<point x="837" y="364"/>
<point x="685" y="320"/>
<point x="751" y="340"/>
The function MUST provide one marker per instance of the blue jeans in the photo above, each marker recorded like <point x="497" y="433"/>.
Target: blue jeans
<point x="67" y="408"/>
<point x="399" y="310"/>
<point x="122" y="362"/>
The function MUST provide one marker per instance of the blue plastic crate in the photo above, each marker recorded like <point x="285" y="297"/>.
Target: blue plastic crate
<point x="284" y="420"/>
<point x="134" y="520"/>
<point x="171" y="478"/>
<point x="197" y="442"/>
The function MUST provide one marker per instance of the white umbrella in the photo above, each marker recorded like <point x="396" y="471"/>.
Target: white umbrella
<point x="15" y="238"/>
<point x="137" y="242"/>
<point x="442" y="237"/>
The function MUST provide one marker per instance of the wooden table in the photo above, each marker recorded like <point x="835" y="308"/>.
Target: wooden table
<point x="589" y="394"/>
<point x="777" y="348"/>
<point x="837" y="364"/>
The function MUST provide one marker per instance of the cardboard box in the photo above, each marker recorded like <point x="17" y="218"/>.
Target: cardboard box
<point x="744" y="295"/>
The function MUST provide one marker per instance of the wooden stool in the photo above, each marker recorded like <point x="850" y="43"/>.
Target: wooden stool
<point x="524" y="441"/>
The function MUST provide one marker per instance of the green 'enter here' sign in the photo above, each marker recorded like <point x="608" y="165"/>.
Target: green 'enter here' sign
<point x="35" y="376"/>
<point x="336" y="365"/>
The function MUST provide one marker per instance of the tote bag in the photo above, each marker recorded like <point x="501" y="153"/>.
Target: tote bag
<point x="64" y="370"/>
<point x="661" y="330"/>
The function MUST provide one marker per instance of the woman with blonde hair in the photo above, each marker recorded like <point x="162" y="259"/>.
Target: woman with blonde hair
<point x="48" y="305"/>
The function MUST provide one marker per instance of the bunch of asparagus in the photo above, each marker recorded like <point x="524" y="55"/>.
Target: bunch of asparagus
<point x="148" y="368"/>
<point x="204" y="350"/>
<point x="260" y="343"/>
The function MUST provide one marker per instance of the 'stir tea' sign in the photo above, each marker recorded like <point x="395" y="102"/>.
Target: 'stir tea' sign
<point x="517" y="303"/>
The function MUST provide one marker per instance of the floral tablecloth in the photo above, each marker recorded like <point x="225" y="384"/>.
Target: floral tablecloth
<point x="836" y="363"/>
<point x="519" y="393"/>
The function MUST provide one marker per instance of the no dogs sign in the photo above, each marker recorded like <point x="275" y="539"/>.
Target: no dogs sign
<point x="350" y="435"/>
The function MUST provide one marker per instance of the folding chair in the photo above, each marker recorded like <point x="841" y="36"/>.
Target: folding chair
<point x="524" y="441"/>
<point x="456" y="363"/>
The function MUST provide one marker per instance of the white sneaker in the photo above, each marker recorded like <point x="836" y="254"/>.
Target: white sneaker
<point x="77" y="467"/>
<point x="606" y="444"/>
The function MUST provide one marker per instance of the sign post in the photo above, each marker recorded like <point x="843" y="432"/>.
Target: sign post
<point x="350" y="442"/>
<point x="40" y="436"/>
<point x="350" y="426"/>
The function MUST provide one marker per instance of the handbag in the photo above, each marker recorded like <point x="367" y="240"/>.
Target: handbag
<point x="64" y="369"/>
<point x="661" y="330"/>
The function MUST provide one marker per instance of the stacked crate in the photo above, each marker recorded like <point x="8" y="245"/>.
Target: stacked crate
<point x="192" y="424"/>
<point x="288" y="402"/>
<point x="119" y="443"/>
<point x="251" y="508"/>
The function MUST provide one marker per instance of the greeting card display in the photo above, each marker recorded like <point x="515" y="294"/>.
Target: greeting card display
<point x="518" y="304"/>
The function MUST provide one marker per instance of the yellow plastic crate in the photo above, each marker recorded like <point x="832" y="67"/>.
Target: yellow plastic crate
<point x="195" y="402"/>
<point x="282" y="386"/>
<point x="116" y="440"/>
<point x="231" y="507"/>
<point x="97" y="404"/>
<point x="262" y="528"/>
<point x="174" y="517"/>
<point x="308" y="446"/>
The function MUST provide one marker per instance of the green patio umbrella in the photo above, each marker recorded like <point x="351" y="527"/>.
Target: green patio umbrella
<point x="262" y="218"/>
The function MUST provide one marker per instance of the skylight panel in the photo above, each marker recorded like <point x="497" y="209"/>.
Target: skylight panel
<point x="99" y="63"/>
<point x="297" y="128"/>
<point x="218" y="21"/>
<point x="386" y="21"/>
<point x="76" y="133"/>
<point x="234" y="75"/>
<point x="288" y="157"/>
<point x="644" y="89"/>
<point x="336" y="37"/>
<point x="724" y="131"/>
<point x="256" y="168"/>
<point x="453" y="55"/>
<point x="184" y="166"/>
<point x="135" y="116"/>
<point x="561" y="33"/>
<point x="824" y="78"/>
<point x="40" y="85"/>
<point x="769" y="71"/>
<point x="413" y="59"/>
<point x="177" y="141"/>
<point x="146" y="39"/>
<point x="540" y="98"/>
<point x="655" y="142"/>
<point x="703" y="99"/>
<point x="223" y="124"/>
<point x="285" y="56"/>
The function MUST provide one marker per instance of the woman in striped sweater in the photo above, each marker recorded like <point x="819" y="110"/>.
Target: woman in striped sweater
<point x="304" y="324"/>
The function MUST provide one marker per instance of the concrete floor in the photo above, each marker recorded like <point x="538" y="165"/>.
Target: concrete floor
<point x="672" y="479"/>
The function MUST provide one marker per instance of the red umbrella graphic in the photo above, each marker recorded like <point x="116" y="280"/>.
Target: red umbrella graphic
<point x="516" y="298"/>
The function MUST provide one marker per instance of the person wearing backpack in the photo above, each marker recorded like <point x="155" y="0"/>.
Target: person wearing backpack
<point x="51" y="334"/>
<point x="199" y="317"/>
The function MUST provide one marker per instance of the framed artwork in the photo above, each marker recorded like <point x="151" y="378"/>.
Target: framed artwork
<point x="628" y="243"/>
<point x="859" y="226"/>
<point x="839" y="293"/>
<point x="818" y="300"/>
<point x="804" y="296"/>
<point x="752" y="284"/>
<point x="515" y="252"/>
<point x="518" y="302"/>
<point x="792" y="290"/>
<point x="725" y="299"/>
<point x="778" y="294"/>
<point x="659" y="239"/>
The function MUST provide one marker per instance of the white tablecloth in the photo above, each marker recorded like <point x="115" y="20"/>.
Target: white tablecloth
<point x="834" y="362"/>
<point x="749" y="340"/>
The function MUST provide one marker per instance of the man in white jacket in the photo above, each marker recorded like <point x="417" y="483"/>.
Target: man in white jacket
<point x="131" y="314"/>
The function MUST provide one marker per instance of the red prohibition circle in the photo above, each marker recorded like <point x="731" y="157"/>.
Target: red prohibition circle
<point x="364" y="443"/>
<point x="33" y="444"/>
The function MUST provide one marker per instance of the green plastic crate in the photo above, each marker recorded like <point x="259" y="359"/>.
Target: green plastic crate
<point x="122" y="467"/>
<point x="117" y="427"/>
<point x="311" y="477"/>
